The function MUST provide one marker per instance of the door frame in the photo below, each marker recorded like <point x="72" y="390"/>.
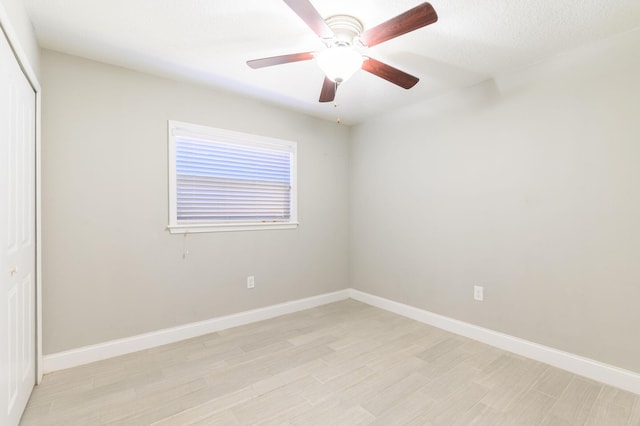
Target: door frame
<point x="23" y="61"/>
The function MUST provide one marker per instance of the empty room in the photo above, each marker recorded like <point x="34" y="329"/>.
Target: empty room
<point x="319" y="212"/>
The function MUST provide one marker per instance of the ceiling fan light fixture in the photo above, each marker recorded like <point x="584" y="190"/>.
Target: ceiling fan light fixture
<point x="339" y="62"/>
<point x="344" y="36"/>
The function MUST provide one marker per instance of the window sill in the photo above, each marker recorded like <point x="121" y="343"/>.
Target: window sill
<point x="189" y="229"/>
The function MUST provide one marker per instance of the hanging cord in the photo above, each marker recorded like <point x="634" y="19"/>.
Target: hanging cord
<point x="185" y="250"/>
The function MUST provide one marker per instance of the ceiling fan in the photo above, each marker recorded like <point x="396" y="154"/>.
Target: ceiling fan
<point x="343" y="35"/>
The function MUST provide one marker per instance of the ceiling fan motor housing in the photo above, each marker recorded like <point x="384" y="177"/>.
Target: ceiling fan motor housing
<point x="346" y="29"/>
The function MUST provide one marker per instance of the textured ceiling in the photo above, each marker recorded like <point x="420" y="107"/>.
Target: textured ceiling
<point x="208" y="41"/>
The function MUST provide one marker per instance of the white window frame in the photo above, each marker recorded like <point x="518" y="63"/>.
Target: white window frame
<point x="178" y="128"/>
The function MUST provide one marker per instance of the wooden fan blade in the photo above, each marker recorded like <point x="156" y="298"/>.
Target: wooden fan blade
<point x="418" y="17"/>
<point x="277" y="60"/>
<point x="389" y="73"/>
<point x="305" y="10"/>
<point x="328" y="92"/>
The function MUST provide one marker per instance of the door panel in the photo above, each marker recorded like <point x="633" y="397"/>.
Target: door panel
<point x="17" y="242"/>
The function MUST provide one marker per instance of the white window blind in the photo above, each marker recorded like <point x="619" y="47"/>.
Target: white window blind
<point x="223" y="180"/>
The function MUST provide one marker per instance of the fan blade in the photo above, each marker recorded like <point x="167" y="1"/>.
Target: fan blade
<point x="328" y="92"/>
<point x="389" y="73"/>
<point x="305" y="10"/>
<point x="277" y="60"/>
<point x="418" y="17"/>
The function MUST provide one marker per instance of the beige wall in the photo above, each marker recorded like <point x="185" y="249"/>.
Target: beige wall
<point x="527" y="185"/>
<point x="21" y="24"/>
<point x="530" y="187"/>
<point x="110" y="268"/>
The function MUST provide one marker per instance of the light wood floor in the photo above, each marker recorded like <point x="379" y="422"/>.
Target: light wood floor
<point x="341" y="364"/>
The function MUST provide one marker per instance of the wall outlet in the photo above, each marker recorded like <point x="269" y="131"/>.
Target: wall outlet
<point x="478" y="293"/>
<point x="251" y="281"/>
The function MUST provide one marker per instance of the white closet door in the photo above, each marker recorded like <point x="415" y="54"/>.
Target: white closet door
<point x="17" y="237"/>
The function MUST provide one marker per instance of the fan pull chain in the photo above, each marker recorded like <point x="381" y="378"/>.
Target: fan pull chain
<point x="335" y="104"/>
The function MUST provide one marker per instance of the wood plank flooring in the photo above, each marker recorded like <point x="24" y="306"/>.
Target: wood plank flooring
<point x="346" y="363"/>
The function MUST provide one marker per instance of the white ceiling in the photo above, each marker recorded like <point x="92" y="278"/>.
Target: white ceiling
<point x="208" y="41"/>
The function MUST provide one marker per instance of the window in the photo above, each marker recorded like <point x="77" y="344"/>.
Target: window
<point x="221" y="180"/>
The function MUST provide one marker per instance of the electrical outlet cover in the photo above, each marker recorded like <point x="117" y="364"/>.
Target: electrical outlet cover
<point x="478" y="293"/>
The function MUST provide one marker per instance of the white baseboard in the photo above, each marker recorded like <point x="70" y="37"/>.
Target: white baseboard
<point x="595" y="370"/>
<point x="113" y="348"/>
